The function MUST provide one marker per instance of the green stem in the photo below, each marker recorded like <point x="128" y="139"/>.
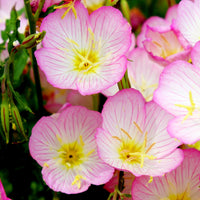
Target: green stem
<point x="39" y="10"/>
<point x="32" y="24"/>
<point x="120" y="183"/>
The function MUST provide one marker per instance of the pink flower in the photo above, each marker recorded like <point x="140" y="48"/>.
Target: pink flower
<point x="181" y="183"/>
<point x="143" y="73"/>
<point x="86" y="53"/>
<point x="134" y="139"/>
<point x="64" y="145"/>
<point x="178" y="93"/>
<point x="2" y="192"/>
<point x="161" y="39"/>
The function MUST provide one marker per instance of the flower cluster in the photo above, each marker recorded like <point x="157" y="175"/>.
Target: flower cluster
<point x="141" y="142"/>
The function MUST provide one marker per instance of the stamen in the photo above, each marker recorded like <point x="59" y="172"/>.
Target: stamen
<point x="70" y="6"/>
<point x="45" y="165"/>
<point x="59" y="138"/>
<point x="126" y="133"/>
<point x="137" y="126"/>
<point x="157" y="44"/>
<point x="72" y="41"/>
<point x="150" y="147"/>
<point x="81" y="140"/>
<point x="90" y="152"/>
<point x="115" y="137"/>
<point x="189" y="108"/>
<point x="77" y="180"/>
<point x="165" y="40"/>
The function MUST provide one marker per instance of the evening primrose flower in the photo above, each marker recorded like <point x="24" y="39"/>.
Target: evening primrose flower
<point x="181" y="183"/>
<point x="178" y="93"/>
<point x="87" y="52"/>
<point x="133" y="138"/>
<point x="64" y="145"/>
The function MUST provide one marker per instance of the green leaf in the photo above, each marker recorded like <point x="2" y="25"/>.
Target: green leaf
<point x="19" y="63"/>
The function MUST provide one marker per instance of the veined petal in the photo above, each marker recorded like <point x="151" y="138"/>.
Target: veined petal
<point x="187" y="131"/>
<point x="59" y="70"/>
<point x="188" y="21"/>
<point x="157" y="23"/>
<point x="181" y="183"/>
<point x="112" y="30"/>
<point x="195" y="54"/>
<point x="61" y="180"/>
<point x="121" y="111"/>
<point x="43" y="143"/>
<point x="157" y="131"/>
<point x="143" y="73"/>
<point x="178" y="88"/>
<point x="60" y="33"/>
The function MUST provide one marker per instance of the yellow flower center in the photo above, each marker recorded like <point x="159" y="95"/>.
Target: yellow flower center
<point x="180" y="196"/>
<point x="133" y="152"/>
<point x="71" y="154"/>
<point x="167" y="49"/>
<point x="190" y="108"/>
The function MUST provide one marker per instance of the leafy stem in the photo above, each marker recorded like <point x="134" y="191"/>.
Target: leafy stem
<point x="32" y="23"/>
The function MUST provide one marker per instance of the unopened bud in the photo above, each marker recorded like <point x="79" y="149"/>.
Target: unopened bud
<point x="17" y="120"/>
<point x="5" y="116"/>
<point x="125" y="9"/>
<point x="33" y="40"/>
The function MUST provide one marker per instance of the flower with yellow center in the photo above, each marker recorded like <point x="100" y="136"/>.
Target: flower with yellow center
<point x="134" y="139"/>
<point x="181" y="183"/>
<point x="64" y="145"/>
<point x="84" y="52"/>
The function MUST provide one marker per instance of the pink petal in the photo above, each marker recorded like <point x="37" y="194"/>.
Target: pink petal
<point x="43" y="143"/>
<point x="188" y="21"/>
<point x="187" y="131"/>
<point x="176" y="82"/>
<point x="112" y="30"/>
<point x="143" y="73"/>
<point x="195" y="54"/>
<point x="183" y="180"/>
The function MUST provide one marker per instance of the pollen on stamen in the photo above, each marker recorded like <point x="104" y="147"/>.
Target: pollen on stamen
<point x="126" y="133"/>
<point x="190" y="108"/>
<point x="77" y="180"/>
<point x="115" y="137"/>
<point x="72" y="41"/>
<point x="137" y="126"/>
<point x="81" y="140"/>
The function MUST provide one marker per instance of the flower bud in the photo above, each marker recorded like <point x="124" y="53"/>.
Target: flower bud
<point x="17" y="120"/>
<point x="125" y="9"/>
<point x="33" y="39"/>
<point x="5" y="116"/>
